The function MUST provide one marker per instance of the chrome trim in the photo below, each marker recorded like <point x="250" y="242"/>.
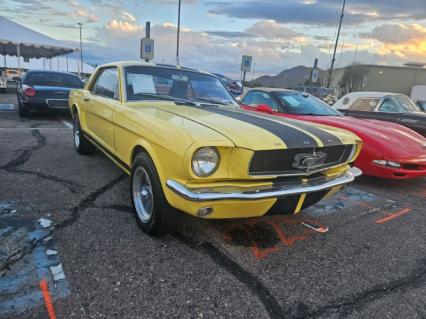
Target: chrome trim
<point x="203" y="194"/>
<point x="57" y="107"/>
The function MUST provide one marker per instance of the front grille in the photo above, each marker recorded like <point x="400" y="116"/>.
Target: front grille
<point x="281" y="162"/>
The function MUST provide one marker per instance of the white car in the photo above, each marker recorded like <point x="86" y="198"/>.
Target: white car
<point x="391" y="107"/>
<point x="367" y="101"/>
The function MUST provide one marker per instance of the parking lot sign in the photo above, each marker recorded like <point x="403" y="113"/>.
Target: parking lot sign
<point x="246" y="63"/>
<point x="147" y="48"/>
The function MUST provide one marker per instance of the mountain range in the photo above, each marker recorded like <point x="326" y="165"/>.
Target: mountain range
<point x="287" y="78"/>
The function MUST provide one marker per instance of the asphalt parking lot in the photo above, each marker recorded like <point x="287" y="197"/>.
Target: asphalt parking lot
<point x="65" y="220"/>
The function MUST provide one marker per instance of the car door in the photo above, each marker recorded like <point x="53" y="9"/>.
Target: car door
<point x="100" y="104"/>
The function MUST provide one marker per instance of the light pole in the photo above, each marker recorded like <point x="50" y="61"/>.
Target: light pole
<point x="252" y="76"/>
<point x="335" y="45"/>
<point x="81" y="49"/>
<point x="178" y="34"/>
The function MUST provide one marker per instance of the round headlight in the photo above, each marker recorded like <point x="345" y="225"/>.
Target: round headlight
<point x="205" y="161"/>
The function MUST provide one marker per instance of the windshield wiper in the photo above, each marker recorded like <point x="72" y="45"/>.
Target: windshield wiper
<point x="311" y="114"/>
<point x="168" y="97"/>
<point x="210" y="100"/>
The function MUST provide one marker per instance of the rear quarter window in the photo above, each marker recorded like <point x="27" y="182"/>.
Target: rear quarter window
<point x="364" y="104"/>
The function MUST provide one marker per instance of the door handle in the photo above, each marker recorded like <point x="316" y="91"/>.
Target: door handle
<point x="86" y="99"/>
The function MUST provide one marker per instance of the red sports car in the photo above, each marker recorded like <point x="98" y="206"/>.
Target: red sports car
<point x="390" y="150"/>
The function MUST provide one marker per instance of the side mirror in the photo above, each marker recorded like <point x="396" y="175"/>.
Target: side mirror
<point x="264" y="108"/>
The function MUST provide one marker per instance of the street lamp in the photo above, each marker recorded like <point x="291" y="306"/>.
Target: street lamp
<point x="178" y="34"/>
<point x="81" y="48"/>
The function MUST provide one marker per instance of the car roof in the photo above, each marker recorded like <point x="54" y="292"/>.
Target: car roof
<point x="49" y="72"/>
<point x="151" y="64"/>
<point x="370" y="94"/>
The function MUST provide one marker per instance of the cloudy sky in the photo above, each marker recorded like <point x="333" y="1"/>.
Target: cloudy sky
<point x="278" y="33"/>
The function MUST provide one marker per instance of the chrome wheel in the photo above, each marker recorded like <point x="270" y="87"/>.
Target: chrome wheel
<point x="143" y="196"/>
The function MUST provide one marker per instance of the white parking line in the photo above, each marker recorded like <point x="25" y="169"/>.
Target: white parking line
<point x="32" y="128"/>
<point x="67" y="124"/>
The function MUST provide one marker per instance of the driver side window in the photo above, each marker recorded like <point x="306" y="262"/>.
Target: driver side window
<point x="106" y="84"/>
<point x="256" y="97"/>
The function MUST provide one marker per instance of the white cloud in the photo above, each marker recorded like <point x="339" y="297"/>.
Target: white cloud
<point x="129" y="17"/>
<point x="269" y="29"/>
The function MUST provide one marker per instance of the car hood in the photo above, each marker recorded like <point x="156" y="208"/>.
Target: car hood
<point x="257" y="132"/>
<point x="394" y="136"/>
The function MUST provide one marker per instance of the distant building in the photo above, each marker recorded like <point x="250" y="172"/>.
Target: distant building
<point x="385" y="78"/>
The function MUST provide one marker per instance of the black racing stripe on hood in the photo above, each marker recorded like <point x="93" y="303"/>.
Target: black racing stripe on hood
<point x="326" y="138"/>
<point x="292" y="137"/>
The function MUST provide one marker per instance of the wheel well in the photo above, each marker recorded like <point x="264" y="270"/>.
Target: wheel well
<point x="74" y="110"/>
<point x="138" y="149"/>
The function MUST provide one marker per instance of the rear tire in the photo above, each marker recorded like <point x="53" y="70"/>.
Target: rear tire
<point x="153" y="213"/>
<point x="81" y="143"/>
<point x="22" y="111"/>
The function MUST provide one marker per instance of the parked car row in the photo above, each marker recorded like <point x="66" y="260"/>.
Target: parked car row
<point x="189" y="146"/>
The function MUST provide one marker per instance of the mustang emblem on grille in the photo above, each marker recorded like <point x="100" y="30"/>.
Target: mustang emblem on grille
<point x="308" y="161"/>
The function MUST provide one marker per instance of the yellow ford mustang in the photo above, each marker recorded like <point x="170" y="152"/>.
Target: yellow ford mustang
<point x="189" y="147"/>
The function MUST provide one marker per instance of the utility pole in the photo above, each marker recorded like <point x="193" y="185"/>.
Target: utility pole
<point x="335" y="45"/>
<point x="81" y="49"/>
<point x="252" y="75"/>
<point x="178" y="34"/>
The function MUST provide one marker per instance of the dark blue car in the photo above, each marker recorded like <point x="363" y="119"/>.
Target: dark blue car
<point x="45" y="90"/>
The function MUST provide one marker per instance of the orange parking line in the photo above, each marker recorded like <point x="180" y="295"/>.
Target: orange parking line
<point x="47" y="299"/>
<point x="394" y="215"/>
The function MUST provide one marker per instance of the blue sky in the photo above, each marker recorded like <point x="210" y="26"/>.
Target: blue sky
<point x="278" y="33"/>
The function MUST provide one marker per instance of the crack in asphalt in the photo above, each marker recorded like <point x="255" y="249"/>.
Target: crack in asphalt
<point x="72" y="186"/>
<point x="26" y="154"/>
<point x="417" y="277"/>
<point x="343" y="306"/>
<point x="87" y="202"/>
<point x="15" y="257"/>
<point x="249" y="280"/>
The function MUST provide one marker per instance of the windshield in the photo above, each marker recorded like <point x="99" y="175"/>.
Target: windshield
<point x="398" y="104"/>
<point x="304" y="104"/>
<point x="147" y="83"/>
<point x="53" y="79"/>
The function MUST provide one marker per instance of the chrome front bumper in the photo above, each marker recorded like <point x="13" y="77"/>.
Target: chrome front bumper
<point x="209" y="194"/>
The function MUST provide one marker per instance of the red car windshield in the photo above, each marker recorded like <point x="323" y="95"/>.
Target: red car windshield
<point x="305" y="104"/>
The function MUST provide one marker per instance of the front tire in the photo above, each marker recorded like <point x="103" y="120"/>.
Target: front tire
<point x="153" y="213"/>
<point x="81" y="143"/>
